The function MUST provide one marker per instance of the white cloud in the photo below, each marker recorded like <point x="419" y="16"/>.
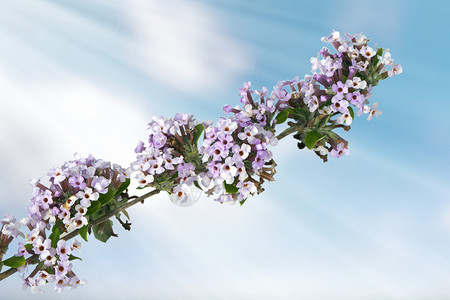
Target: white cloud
<point x="179" y="43"/>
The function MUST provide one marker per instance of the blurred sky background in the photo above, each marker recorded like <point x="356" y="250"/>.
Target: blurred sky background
<point x="87" y="76"/>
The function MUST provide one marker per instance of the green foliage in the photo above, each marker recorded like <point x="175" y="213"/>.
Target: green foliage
<point x="73" y="257"/>
<point x="198" y="130"/>
<point x="95" y="206"/>
<point x="123" y="186"/>
<point x="230" y="189"/>
<point x="352" y="113"/>
<point x="282" y="117"/>
<point x="105" y="198"/>
<point x="83" y="232"/>
<point x="54" y="237"/>
<point x="103" y="231"/>
<point x="312" y="137"/>
<point x="14" y="261"/>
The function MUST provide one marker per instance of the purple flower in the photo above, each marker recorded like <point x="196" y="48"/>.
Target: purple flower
<point x="339" y="151"/>
<point x="340" y="105"/>
<point x="356" y="98"/>
<point x="281" y="94"/>
<point x="100" y="184"/>
<point x="56" y="175"/>
<point x="156" y="166"/>
<point x="158" y="140"/>
<point x="226" y="140"/>
<point x="246" y="188"/>
<point x="62" y="250"/>
<point x="48" y="257"/>
<point x="77" y="181"/>
<point x="241" y="152"/>
<point x="140" y="147"/>
<point x="214" y="169"/>
<point x="340" y="89"/>
<point x="182" y="118"/>
<point x="243" y="90"/>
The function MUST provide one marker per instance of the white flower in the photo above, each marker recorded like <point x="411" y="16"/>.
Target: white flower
<point x="321" y="149"/>
<point x="356" y="83"/>
<point x="143" y="180"/>
<point x="374" y="112"/>
<point x="386" y="58"/>
<point x="396" y="69"/>
<point x="87" y="196"/>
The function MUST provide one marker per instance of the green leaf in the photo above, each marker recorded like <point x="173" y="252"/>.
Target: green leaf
<point x="103" y="231"/>
<point x="242" y="202"/>
<point x="282" y="117"/>
<point x="352" y="113"/>
<point x="312" y="137"/>
<point x="123" y="186"/>
<point x="73" y="257"/>
<point x="126" y="214"/>
<point x="375" y="58"/>
<point x="197" y="185"/>
<point x="198" y="130"/>
<point x="95" y="206"/>
<point x="105" y="198"/>
<point x="83" y="232"/>
<point x="54" y="237"/>
<point x="57" y="225"/>
<point x="325" y="120"/>
<point x="14" y="262"/>
<point x="230" y="189"/>
<point x="29" y="247"/>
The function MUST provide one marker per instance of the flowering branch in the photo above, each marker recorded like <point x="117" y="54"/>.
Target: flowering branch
<point x="34" y="259"/>
<point x="229" y="161"/>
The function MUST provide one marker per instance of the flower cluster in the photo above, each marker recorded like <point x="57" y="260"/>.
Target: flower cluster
<point x="76" y="191"/>
<point x="347" y="77"/>
<point x="235" y="151"/>
<point x="339" y="81"/>
<point x="170" y="161"/>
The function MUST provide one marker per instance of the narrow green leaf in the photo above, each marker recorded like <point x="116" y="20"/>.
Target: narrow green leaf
<point x="126" y="214"/>
<point x="103" y="231"/>
<point x="352" y="113"/>
<point x="105" y="198"/>
<point x="325" y="120"/>
<point x="282" y="117"/>
<point x="54" y="237"/>
<point x="303" y="113"/>
<point x="29" y="247"/>
<point x="14" y="261"/>
<point x="242" y="202"/>
<point x="95" y="206"/>
<point x="83" y="232"/>
<point x="197" y="185"/>
<point x="312" y="137"/>
<point x="198" y="130"/>
<point x="230" y="189"/>
<point x="375" y="58"/>
<point x="123" y="186"/>
<point x="73" y="257"/>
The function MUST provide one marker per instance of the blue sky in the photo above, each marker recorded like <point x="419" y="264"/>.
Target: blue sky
<point x="87" y="76"/>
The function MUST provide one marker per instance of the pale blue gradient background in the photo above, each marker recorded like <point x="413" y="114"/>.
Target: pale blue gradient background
<point x="86" y="76"/>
